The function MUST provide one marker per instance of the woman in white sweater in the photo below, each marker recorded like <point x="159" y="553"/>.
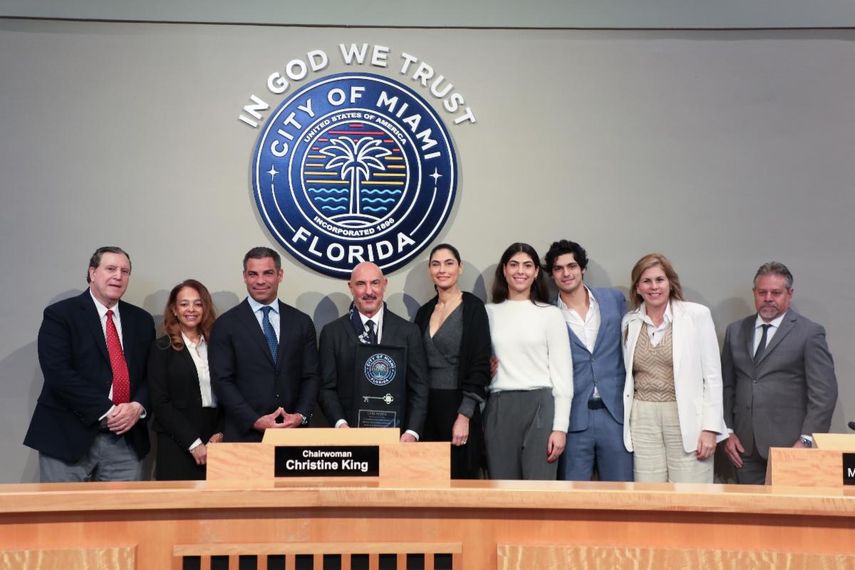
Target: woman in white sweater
<point x="528" y="410"/>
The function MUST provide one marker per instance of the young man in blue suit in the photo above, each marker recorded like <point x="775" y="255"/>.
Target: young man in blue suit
<point x="263" y="356"/>
<point x="93" y="350"/>
<point x="595" y="437"/>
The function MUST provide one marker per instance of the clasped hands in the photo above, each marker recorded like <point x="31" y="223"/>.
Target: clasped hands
<point x="277" y="420"/>
<point x="122" y="417"/>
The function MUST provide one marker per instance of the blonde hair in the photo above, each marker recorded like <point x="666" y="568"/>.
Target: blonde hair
<point x="645" y="263"/>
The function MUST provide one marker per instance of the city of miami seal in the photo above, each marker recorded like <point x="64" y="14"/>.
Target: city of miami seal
<point x="354" y="167"/>
<point x="380" y="369"/>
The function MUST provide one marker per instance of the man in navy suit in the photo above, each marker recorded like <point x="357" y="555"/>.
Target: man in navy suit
<point x="595" y="437"/>
<point x="88" y="422"/>
<point x="263" y="356"/>
<point x="340" y="338"/>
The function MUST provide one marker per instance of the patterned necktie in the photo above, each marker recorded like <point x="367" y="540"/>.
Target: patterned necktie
<point x="761" y="348"/>
<point x="269" y="333"/>
<point x="121" y="378"/>
<point x="371" y="335"/>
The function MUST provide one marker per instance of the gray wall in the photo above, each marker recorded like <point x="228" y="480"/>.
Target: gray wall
<point x="635" y="14"/>
<point x="721" y="149"/>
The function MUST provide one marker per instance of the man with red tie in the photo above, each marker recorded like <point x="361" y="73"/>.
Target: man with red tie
<point x="88" y="424"/>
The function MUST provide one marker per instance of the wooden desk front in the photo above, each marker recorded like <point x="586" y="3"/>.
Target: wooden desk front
<point x="475" y="525"/>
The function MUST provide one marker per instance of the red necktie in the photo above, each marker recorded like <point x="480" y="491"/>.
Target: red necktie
<point x="121" y="378"/>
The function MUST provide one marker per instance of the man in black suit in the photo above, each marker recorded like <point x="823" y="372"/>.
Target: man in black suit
<point x="263" y="356"/>
<point x="340" y="338"/>
<point x="93" y="350"/>
<point x="778" y="376"/>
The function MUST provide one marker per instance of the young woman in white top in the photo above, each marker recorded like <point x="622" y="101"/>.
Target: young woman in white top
<point x="528" y="411"/>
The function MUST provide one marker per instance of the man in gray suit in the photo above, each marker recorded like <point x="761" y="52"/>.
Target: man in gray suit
<point x="779" y="382"/>
<point x="370" y="322"/>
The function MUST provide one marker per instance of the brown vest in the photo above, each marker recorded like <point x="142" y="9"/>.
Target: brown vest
<point x="653" y="368"/>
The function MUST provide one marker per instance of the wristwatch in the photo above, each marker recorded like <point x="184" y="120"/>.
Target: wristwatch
<point x="304" y="421"/>
<point x="806" y="441"/>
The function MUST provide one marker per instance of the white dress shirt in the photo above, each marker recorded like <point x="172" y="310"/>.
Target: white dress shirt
<point x="657" y="333"/>
<point x="117" y="320"/>
<point x="259" y="314"/>
<point x="378" y="323"/>
<point x="585" y="329"/>
<point x="199" y="354"/>
<point x="758" y="330"/>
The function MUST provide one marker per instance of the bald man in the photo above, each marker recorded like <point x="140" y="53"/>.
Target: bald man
<point x="369" y="321"/>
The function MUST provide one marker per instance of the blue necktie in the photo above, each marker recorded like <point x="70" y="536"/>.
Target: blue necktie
<point x="370" y="333"/>
<point x="269" y="333"/>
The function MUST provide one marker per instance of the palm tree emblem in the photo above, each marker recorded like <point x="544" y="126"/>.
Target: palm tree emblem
<point x="356" y="159"/>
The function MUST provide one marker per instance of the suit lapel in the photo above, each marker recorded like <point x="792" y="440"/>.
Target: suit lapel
<point x="605" y="317"/>
<point x="390" y="327"/>
<point x="786" y="327"/>
<point x="283" y="329"/>
<point x="128" y="345"/>
<point x="747" y="330"/>
<point x="250" y="323"/>
<point x="576" y="340"/>
<point x="573" y="338"/>
<point x="681" y="327"/>
<point x="633" y="329"/>
<point x="93" y="323"/>
<point x="192" y="374"/>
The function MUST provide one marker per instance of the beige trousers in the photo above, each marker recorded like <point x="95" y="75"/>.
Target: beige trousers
<point x="658" y="445"/>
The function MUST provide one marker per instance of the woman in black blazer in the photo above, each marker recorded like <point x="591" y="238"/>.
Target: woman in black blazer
<point x="456" y="335"/>
<point x="186" y="416"/>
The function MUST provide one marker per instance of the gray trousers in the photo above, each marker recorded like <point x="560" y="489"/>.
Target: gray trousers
<point x="110" y="458"/>
<point x="753" y="470"/>
<point x="517" y="425"/>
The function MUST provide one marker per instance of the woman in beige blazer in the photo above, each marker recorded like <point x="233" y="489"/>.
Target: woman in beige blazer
<point x="673" y="415"/>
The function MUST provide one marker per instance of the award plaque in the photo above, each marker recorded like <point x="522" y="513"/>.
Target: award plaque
<point x="380" y="392"/>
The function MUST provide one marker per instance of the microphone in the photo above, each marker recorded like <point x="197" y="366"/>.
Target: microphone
<point x="852" y="425"/>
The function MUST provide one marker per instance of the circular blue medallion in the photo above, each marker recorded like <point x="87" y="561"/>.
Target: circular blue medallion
<point x="354" y="167"/>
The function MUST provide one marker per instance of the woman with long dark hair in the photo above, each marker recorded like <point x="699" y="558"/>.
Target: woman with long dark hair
<point x="186" y="416"/>
<point x="456" y="336"/>
<point x="528" y="411"/>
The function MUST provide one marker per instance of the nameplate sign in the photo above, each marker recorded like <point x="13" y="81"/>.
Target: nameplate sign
<point x="327" y="461"/>
<point x="849" y="468"/>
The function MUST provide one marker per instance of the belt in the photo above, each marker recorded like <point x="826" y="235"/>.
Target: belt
<point x="596" y="404"/>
